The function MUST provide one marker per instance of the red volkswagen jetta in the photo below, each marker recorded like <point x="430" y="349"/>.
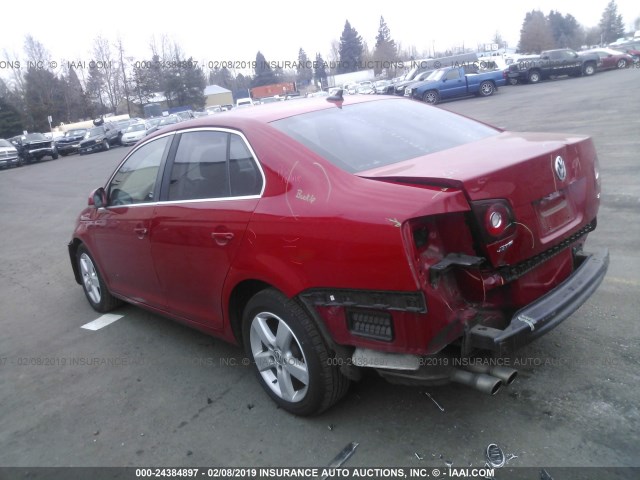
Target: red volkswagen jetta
<point x="328" y="236"/>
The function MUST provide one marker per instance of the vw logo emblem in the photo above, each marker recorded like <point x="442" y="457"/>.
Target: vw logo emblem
<point x="561" y="169"/>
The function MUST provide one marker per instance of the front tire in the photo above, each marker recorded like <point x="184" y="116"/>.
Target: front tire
<point x="622" y="63"/>
<point x="486" y="89"/>
<point x="589" y="69"/>
<point x="431" y="97"/>
<point x="93" y="284"/>
<point x="105" y="145"/>
<point x="291" y="360"/>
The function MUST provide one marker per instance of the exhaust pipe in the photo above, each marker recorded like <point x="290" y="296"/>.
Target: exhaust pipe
<point x="506" y="374"/>
<point x="480" y="381"/>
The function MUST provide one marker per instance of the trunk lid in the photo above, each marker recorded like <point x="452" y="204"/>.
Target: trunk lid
<point x="549" y="181"/>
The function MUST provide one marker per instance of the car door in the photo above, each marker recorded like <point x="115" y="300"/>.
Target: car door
<point x="208" y="196"/>
<point x="453" y="84"/>
<point x="121" y="230"/>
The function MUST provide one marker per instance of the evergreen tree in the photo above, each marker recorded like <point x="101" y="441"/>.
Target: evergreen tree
<point x="304" y="70"/>
<point x="566" y="30"/>
<point x="264" y="74"/>
<point x="386" y="51"/>
<point x="44" y="96"/>
<point x="611" y="24"/>
<point x="10" y="115"/>
<point x="320" y="71"/>
<point x="535" y="34"/>
<point x="222" y="77"/>
<point x="350" y="50"/>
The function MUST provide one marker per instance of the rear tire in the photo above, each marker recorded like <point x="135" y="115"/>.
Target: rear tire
<point x="486" y="89"/>
<point x="93" y="284"/>
<point x="290" y="358"/>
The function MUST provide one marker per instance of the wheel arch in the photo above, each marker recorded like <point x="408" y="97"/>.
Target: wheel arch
<point x="492" y="82"/>
<point x="246" y="289"/>
<point x="532" y="71"/>
<point x="238" y="298"/>
<point x="73" y="251"/>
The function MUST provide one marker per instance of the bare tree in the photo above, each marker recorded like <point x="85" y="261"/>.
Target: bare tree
<point x="111" y="75"/>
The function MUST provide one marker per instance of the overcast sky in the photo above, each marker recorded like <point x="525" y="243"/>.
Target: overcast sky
<point x="235" y="30"/>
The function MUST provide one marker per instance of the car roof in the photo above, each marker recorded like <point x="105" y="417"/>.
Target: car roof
<point x="246" y="117"/>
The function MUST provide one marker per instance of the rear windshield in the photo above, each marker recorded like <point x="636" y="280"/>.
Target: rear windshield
<point x="374" y="134"/>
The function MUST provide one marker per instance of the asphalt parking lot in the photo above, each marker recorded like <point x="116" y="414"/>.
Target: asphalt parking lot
<point x="145" y="391"/>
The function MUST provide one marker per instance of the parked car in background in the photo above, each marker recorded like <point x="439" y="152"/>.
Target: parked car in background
<point x="100" y="138"/>
<point x="383" y="87"/>
<point x="185" y="115"/>
<point x="274" y="99"/>
<point x="134" y="133"/>
<point x="554" y="63"/>
<point x="33" y="147"/>
<point x="610" y="58"/>
<point x="244" y="102"/>
<point x="152" y="122"/>
<point x="400" y="87"/>
<point x="163" y="122"/>
<point x="365" y="88"/>
<point x="452" y="82"/>
<point x="631" y="47"/>
<point x="70" y="142"/>
<point x="319" y="93"/>
<point x="332" y="235"/>
<point x="8" y="155"/>
<point x="122" y="125"/>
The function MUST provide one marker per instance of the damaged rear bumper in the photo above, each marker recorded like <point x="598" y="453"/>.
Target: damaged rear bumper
<point x="547" y="312"/>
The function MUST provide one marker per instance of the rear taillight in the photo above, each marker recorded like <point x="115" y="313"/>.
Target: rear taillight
<point x="494" y="218"/>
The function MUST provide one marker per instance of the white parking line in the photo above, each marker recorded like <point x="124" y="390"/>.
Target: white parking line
<point x="103" y="321"/>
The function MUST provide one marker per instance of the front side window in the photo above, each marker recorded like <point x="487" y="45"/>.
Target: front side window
<point x="135" y="180"/>
<point x="453" y="74"/>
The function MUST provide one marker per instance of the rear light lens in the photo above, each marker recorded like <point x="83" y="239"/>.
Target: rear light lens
<point x="495" y="219"/>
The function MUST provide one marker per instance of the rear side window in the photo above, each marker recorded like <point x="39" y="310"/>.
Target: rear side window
<point x="213" y="164"/>
<point x="374" y="134"/>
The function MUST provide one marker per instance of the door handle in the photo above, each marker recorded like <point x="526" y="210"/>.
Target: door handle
<point x="140" y="232"/>
<point x="222" y="238"/>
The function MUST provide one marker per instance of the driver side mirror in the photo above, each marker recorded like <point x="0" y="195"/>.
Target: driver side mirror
<point x="98" y="198"/>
